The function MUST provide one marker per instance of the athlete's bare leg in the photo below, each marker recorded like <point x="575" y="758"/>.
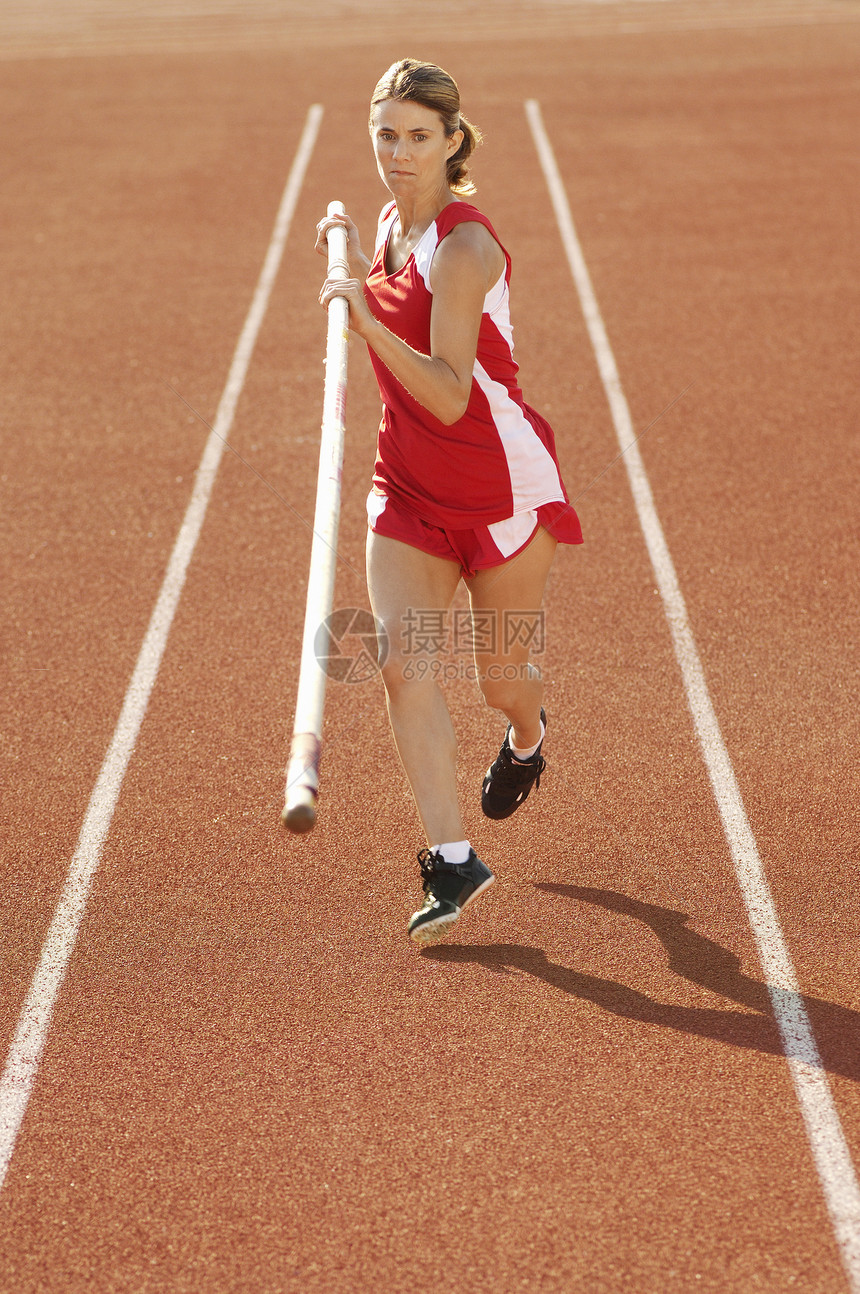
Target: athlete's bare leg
<point x="407" y="588"/>
<point x="508" y="680"/>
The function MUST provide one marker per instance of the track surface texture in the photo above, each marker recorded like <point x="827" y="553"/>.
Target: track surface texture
<point x="248" y="1079"/>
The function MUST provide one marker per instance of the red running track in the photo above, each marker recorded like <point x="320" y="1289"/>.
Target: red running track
<point x="251" y="1080"/>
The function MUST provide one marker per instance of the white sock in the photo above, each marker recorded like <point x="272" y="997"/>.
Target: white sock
<point x="523" y="755"/>
<point x="453" y="851"/>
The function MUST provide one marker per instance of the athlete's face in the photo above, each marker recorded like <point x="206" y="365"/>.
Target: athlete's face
<point x="411" y="147"/>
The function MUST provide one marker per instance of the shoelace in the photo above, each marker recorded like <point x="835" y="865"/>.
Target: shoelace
<point x="512" y="773"/>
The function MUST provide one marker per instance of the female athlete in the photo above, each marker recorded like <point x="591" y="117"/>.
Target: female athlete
<point x="466" y="484"/>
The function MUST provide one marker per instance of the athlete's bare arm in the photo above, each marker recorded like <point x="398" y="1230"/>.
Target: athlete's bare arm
<point x="467" y="263"/>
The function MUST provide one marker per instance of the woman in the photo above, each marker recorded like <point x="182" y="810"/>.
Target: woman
<point x="466" y="484"/>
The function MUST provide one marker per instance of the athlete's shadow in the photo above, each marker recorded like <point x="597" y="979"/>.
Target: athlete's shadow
<point x="697" y="959"/>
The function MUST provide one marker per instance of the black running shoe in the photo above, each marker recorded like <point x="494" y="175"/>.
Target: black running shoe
<point x="448" y="887"/>
<point x="508" y="782"/>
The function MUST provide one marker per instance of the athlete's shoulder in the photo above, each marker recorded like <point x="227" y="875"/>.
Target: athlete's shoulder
<point x="468" y="223"/>
<point x="383" y="225"/>
<point x="467" y="237"/>
<point x="461" y="213"/>
<point x="386" y="215"/>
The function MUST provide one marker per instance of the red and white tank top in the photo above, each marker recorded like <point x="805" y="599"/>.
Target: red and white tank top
<point x="499" y="458"/>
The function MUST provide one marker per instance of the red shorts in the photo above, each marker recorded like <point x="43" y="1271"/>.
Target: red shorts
<point x="474" y="550"/>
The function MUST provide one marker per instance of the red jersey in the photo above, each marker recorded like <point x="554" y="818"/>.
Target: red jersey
<point x="499" y="458"/>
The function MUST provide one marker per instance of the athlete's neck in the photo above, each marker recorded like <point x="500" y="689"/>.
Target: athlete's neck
<point x="414" y="217"/>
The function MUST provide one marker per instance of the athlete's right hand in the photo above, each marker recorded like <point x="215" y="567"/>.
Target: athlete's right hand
<point x="358" y="262"/>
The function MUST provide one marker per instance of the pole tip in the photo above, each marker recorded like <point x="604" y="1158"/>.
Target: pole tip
<point x="299" y="817"/>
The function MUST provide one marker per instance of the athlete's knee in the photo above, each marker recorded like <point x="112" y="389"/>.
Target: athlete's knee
<point x="402" y="670"/>
<point x="504" y="685"/>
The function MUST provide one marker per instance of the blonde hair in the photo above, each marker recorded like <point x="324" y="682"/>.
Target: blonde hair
<point x="431" y="86"/>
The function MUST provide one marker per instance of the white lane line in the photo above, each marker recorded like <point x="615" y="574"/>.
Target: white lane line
<point x="826" y="1137"/>
<point x="31" y="1034"/>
